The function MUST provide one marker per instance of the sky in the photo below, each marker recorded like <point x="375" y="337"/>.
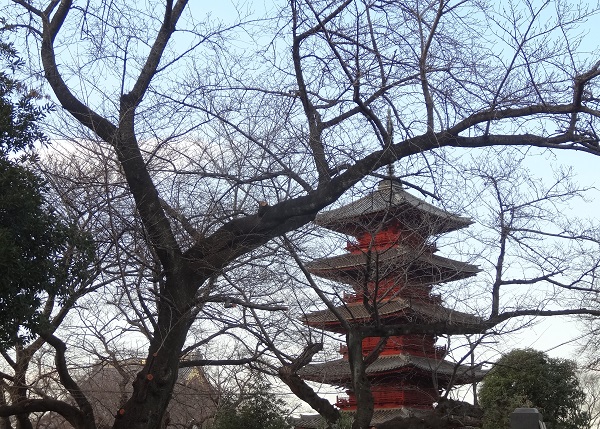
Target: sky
<point x="560" y="336"/>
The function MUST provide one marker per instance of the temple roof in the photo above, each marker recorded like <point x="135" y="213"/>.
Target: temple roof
<point x="338" y="371"/>
<point x="398" y="307"/>
<point x="391" y="198"/>
<point x="421" y="267"/>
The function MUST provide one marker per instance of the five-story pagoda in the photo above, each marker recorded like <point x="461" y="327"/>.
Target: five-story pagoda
<point x="392" y="267"/>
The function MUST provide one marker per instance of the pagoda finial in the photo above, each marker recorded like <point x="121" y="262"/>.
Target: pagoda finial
<point x="391" y="171"/>
<point x="390" y="137"/>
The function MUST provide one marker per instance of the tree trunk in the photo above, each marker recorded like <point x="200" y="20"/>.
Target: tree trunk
<point x="153" y="386"/>
<point x="360" y="382"/>
<point x="19" y="388"/>
<point x="4" y="421"/>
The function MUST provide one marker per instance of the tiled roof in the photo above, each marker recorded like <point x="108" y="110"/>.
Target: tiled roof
<point x="382" y="416"/>
<point x="315" y="421"/>
<point x="338" y="371"/>
<point x="392" y="198"/>
<point x="308" y="421"/>
<point x="410" y="309"/>
<point x="397" y="260"/>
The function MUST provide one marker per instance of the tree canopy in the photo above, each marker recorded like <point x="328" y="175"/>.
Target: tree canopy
<point x="530" y="378"/>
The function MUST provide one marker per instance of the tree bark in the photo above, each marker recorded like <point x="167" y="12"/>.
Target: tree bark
<point x="19" y="388"/>
<point x="304" y="392"/>
<point x="154" y="384"/>
<point x="360" y="382"/>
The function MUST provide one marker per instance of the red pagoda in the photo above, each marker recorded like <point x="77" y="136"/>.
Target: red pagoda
<point x="392" y="267"/>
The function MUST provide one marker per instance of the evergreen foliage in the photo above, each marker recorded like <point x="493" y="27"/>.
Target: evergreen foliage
<point x="530" y="378"/>
<point x="257" y="409"/>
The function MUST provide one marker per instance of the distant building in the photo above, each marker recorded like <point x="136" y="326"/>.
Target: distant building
<point x="107" y="385"/>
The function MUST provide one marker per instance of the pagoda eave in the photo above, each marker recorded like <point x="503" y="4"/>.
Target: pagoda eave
<point x="315" y="421"/>
<point x="392" y="199"/>
<point x="338" y="373"/>
<point x="398" y="310"/>
<point x="424" y="268"/>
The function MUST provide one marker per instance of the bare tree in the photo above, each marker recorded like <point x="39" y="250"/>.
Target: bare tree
<point x="590" y="385"/>
<point x="226" y="146"/>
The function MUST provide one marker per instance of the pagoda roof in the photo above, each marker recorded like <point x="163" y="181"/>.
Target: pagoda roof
<point x="410" y="262"/>
<point x="315" y="421"/>
<point x="411" y="308"/>
<point x="338" y="371"/>
<point x="394" y="416"/>
<point x="391" y="198"/>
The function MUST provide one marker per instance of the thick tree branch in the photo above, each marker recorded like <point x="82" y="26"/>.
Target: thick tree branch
<point x="445" y="328"/>
<point x="99" y="125"/>
<point x="71" y="413"/>
<point x="288" y="374"/>
<point x="172" y="15"/>
<point x="69" y="383"/>
<point x="244" y="234"/>
<point x="514" y="112"/>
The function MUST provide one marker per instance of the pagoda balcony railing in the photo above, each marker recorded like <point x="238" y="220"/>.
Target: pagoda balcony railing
<point x="418" y="345"/>
<point x="395" y="292"/>
<point x="352" y="297"/>
<point x="383" y="242"/>
<point x="393" y="398"/>
<point x="436" y="351"/>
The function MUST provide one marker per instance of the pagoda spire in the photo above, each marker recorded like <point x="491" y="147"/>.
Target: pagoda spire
<point x="390" y="136"/>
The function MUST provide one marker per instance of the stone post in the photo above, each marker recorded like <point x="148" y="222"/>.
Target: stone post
<point x="526" y="418"/>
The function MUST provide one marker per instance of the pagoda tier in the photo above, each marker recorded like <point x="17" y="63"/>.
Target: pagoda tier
<point x="415" y="345"/>
<point x="391" y="266"/>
